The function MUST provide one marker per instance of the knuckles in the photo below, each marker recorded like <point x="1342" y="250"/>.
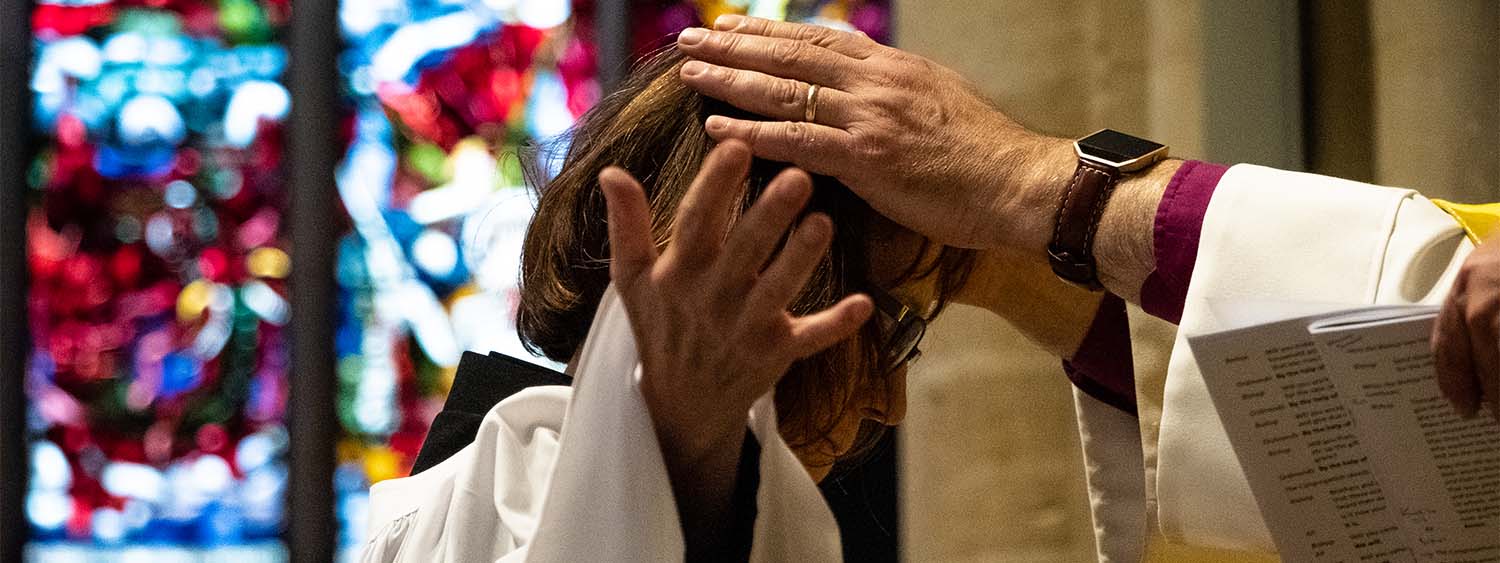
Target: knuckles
<point x="815" y="35"/>
<point x="729" y="43"/>
<point x="1483" y="312"/>
<point x="787" y="53"/>
<point x="725" y="76"/>
<point x="797" y="135"/>
<point x="788" y="95"/>
<point x="1480" y="270"/>
<point x="754" y="133"/>
<point x="889" y="101"/>
<point x="1471" y="269"/>
<point x="871" y="146"/>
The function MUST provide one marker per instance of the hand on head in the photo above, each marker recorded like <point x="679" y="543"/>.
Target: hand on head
<point x="912" y="138"/>
<point x="1466" y="338"/>
<point x="712" y="324"/>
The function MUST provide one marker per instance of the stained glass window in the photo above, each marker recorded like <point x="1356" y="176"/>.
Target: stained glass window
<point x="158" y="258"/>
<point x="657" y="21"/>
<point x="157" y="305"/>
<point x="446" y="97"/>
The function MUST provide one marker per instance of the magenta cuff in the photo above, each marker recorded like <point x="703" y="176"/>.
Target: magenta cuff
<point x="1103" y="367"/>
<point x="1179" y="223"/>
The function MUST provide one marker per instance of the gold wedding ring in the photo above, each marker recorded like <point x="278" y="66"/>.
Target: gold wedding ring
<point x="810" y="109"/>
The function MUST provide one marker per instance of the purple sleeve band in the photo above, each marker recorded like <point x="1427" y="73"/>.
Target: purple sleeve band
<point x="1103" y="367"/>
<point x="1179" y="222"/>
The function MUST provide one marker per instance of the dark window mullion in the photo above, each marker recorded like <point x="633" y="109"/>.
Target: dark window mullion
<point x="313" y="152"/>
<point x="612" y="27"/>
<point x="15" y="157"/>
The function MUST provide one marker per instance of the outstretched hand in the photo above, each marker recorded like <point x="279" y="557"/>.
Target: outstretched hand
<point x="1466" y="338"/>
<point x="711" y="318"/>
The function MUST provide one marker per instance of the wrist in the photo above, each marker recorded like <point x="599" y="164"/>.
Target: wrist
<point x="701" y="457"/>
<point x="1031" y="192"/>
<point x="697" y="440"/>
<point x="1125" y="246"/>
<point x="1103" y="214"/>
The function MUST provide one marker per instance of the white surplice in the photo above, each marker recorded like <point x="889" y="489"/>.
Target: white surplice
<point x="1272" y="236"/>
<point x="575" y="474"/>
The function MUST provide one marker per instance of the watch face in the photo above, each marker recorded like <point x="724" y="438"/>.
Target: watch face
<point x="1115" y="146"/>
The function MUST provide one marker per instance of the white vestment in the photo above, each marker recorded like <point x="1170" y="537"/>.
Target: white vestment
<point x="575" y="474"/>
<point x="1268" y="236"/>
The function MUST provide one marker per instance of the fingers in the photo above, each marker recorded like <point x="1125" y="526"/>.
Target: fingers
<point x="1452" y="357"/>
<point x="632" y="247"/>
<point x="1466" y="336"/>
<point x="763" y="94"/>
<point x="786" y="58"/>
<point x="757" y="233"/>
<point x="789" y="271"/>
<point x="703" y="215"/>
<point x="1484" y="346"/>
<point x="857" y="45"/>
<point x="816" y="332"/>
<point x="815" y="148"/>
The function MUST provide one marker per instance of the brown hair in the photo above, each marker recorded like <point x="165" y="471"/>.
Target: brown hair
<point x="652" y="126"/>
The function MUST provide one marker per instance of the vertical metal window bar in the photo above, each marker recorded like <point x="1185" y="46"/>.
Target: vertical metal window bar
<point x="15" y="159"/>
<point x="312" y="154"/>
<point x="612" y="24"/>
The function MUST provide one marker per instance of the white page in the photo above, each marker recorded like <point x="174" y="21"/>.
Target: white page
<point x="1442" y="472"/>
<point x="1231" y="314"/>
<point x="1312" y="477"/>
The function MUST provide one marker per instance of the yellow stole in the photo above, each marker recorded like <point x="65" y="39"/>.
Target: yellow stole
<point x="1480" y="220"/>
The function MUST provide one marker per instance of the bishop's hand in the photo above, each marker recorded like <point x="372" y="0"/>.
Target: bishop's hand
<point x="913" y="138"/>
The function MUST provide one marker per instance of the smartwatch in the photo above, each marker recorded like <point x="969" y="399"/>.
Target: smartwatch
<point x="1103" y="158"/>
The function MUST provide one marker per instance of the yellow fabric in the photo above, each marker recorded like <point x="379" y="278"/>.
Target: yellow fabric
<point x="1480" y="220"/>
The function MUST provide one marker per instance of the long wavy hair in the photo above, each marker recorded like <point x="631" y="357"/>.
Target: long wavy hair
<point x="652" y="126"/>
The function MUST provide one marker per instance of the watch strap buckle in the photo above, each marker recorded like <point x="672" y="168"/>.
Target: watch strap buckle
<point x="1079" y="270"/>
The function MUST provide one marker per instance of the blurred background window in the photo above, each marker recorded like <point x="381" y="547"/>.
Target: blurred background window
<point x="444" y="97"/>
<point x="157" y="235"/>
<point x="157" y="303"/>
<point x="450" y="100"/>
<point x="158" y="258"/>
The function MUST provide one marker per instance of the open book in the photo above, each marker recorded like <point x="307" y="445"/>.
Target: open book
<point x="1349" y="446"/>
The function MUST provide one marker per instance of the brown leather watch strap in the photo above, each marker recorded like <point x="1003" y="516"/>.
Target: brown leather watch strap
<point x="1072" y="249"/>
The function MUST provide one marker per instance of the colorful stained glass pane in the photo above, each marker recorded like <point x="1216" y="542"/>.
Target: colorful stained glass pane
<point x="157" y="302"/>
<point x="656" y="22"/>
<point x="158" y="260"/>
<point x="446" y="98"/>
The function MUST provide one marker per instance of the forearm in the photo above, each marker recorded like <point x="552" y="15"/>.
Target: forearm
<point x="703" y="480"/>
<point x="1123" y="243"/>
<point x="1022" y="289"/>
<point x="1092" y="336"/>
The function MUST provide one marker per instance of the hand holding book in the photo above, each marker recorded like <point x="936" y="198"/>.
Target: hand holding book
<point x="1466" y="338"/>
<point x="1346" y="440"/>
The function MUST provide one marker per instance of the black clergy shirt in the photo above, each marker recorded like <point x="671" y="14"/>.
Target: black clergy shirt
<point x="863" y="497"/>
